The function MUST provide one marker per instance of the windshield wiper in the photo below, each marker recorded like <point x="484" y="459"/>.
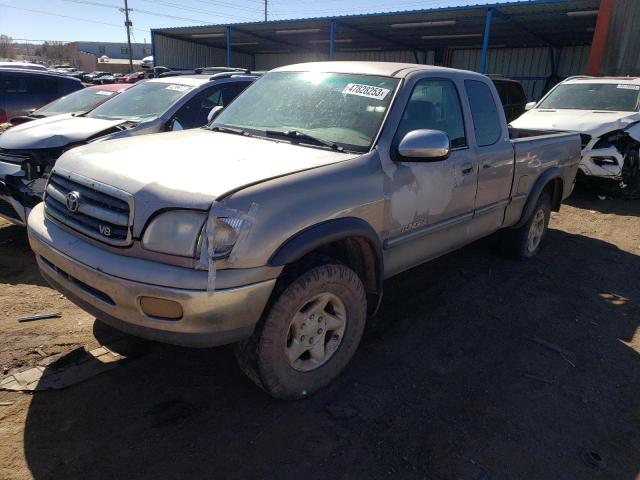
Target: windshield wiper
<point x="297" y="135"/>
<point x="225" y="129"/>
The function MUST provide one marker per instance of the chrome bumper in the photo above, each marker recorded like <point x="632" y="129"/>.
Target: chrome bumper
<point x="208" y="318"/>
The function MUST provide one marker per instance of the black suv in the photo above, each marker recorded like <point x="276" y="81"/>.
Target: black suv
<point x="512" y="96"/>
<point x="22" y="91"/>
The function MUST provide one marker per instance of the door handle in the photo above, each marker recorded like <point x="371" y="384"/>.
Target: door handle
<point x="467" y="169"/>
<point x="486" y="165"/>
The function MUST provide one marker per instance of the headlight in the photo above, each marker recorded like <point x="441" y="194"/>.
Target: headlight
<point x="175" y="232"/>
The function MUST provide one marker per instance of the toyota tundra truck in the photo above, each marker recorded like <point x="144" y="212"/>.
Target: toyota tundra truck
<point x="275" y="226"/>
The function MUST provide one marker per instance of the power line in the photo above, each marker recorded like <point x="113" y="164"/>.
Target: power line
<point x="199" y="10"/>
<point x="64" y="16"/>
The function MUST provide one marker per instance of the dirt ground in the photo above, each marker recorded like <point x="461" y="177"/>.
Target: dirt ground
<point x="476" y="367"/>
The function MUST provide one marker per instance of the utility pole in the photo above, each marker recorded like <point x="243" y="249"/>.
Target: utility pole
<point x="128" y="24"/>
<point x="265" y="9"/>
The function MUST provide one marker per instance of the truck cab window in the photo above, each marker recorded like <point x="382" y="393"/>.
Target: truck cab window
<point x="434" y="105"/>
<point x="484" y="112"/>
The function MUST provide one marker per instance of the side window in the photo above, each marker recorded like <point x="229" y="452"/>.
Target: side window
<point x="484" y="112"/>
<point x="516" y="95"/>
<point x="15" y="84"/>
<point x="435" y="105"/>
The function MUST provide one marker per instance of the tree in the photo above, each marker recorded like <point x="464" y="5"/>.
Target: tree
<point x="6" y="47"/>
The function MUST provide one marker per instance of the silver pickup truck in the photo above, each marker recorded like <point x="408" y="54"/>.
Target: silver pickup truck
<point x="275" y="226"/>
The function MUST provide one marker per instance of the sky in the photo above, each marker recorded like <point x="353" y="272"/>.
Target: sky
<point x="101" y="20"/>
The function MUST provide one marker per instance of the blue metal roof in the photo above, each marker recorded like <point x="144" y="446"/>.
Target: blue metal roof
<point x="515" y="23"/>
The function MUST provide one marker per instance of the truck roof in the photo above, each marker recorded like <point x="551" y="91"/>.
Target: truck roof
<point x="388" y="69"/>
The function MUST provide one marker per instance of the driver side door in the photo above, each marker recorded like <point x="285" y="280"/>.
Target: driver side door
<point x="430" y="202"/>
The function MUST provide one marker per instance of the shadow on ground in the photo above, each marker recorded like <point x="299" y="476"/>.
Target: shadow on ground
<point x="479" y="367"/>
<point x="17" y="263"/>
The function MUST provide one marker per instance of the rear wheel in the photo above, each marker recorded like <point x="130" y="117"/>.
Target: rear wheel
<point x="309" y="335"/>
<point x="525" y="242"/>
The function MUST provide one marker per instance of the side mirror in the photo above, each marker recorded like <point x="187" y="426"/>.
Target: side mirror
<point x="214" y="112"/>
<point x="175" y="125"/>
<point x="529" y="105"/>
<point x="424" y="145"/>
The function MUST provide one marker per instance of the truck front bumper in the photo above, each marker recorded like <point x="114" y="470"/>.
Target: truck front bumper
<point x="207" y="318"/>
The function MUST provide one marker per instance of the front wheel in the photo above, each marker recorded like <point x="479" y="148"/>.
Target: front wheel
<point x="309" y="335"/>
<point x="524" y="242"/>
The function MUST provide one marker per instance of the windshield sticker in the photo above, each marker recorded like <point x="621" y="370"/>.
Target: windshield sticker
<point x="177" y="88"/>
<point x="104" y="92"/>
<point x="626" y="86"/>
<point x="366" y="91"/>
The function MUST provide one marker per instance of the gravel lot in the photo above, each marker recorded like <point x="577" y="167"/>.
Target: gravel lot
<point x="477" y="367"/>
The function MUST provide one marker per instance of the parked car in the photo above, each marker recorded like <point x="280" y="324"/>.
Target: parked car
<point x="276" y="226"/>
<point x="511" y="95"/>
<point x="22" y="91"/>
<point x="131" y="78"/>
<point x="90" y="77"/>
<point x="147" y="62"/>
<point x="23" y="66"/>
<point x="606" y="113"/>
<point x="76" y="103"/>
<point x="107" y="79"/>
<point x="29" y="151"/>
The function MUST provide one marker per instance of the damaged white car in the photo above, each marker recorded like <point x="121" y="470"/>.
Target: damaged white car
<point x="605" y="111"/>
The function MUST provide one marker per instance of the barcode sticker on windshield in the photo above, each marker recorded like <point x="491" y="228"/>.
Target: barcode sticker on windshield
<point x="177" y="88"/>
<point x="104" y="92"/>
<point x="366" y="91"/>
<point x="626" y="86"/>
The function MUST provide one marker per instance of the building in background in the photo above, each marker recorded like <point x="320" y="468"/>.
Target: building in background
<point x="106" y="56"/>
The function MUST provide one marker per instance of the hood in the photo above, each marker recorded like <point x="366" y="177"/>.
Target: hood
<point x="54" y="132"/>
<point x="592" y="122"/>
<point x="190" y="168"/>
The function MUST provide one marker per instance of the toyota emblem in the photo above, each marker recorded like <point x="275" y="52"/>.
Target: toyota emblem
<point x="73" y="201"/>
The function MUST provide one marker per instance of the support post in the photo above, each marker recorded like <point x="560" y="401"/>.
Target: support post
<point x="228" y="46"/>
<point x="332" y="34"/>
<point x="485" y="40"/>
<point x="599" y="42"/>
<point x="153" y="48"/>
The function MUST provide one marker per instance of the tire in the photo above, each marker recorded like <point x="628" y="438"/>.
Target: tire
<point x="323" y="311"/>
<point x="518" y="242"/>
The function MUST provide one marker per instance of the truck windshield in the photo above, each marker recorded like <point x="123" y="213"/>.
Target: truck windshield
<point x="594" y="96"/>
<point x="80" y="101"/>
<point x="343" y="110"/>
<point x="143" y="102"/>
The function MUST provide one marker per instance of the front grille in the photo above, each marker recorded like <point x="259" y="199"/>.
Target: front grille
<point x="96" y="210"/>
<point x="584" y="139"/>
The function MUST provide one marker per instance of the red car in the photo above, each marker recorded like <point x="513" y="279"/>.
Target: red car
<point x="131" y="78"/>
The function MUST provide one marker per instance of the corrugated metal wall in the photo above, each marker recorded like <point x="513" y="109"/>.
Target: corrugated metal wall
<point x="531" y="66"/>
<point x="622" y="55"/>
<point x="267" y="61"/>
<point x="174" y="53"/>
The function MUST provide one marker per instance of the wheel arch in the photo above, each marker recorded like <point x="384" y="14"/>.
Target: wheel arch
<point x="550" y="180"/>
<point x="350" y="240"/>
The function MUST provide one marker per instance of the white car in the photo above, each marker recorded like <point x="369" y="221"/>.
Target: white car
<point x="605" y="111"/>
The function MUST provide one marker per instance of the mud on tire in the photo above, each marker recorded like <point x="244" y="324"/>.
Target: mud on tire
<point x="296" y="320"/>
<point x="524" y="242"/>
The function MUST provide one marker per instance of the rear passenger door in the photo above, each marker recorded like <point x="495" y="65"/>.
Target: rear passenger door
<point x="495" y="155"/>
